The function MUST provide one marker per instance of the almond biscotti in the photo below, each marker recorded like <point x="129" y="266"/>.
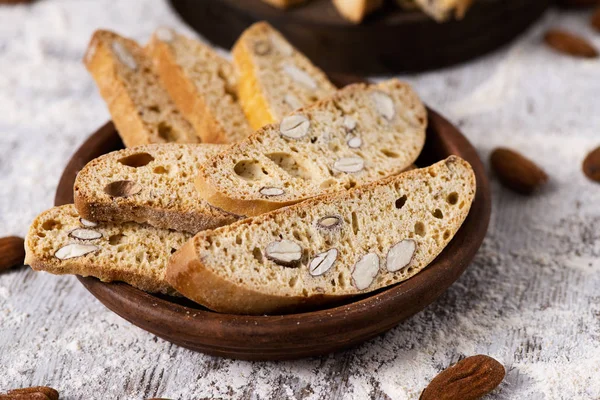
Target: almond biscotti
<point x="361" y="134"/>
<point x="202" y="84"/>
<point x="150" y="184"/>
<point x="327" y="248"/>
<point x="61" y="242"/>
<point x="274" y="78"/>
<point x="356" y="10"/>
<point x="141" y="109"/>
<point x="440" y="10"/>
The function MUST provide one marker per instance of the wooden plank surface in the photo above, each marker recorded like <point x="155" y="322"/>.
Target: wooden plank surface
<point x="530" y="299"/>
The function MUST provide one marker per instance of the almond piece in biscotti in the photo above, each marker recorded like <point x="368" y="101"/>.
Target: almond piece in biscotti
<point x="124" y="56"/>
<point x="284" y="252"/>
<point x="400" y="255"/>
<point x="322" y="262"/>
<point x="85" y="234"/>
<point x="271" y="191"/>
<point x="74" y="250"/>
<point x="122" y="188"/>
<point x="349" y="164"/>
<point x="365" y="271"/>
<point x="294" y="126"/>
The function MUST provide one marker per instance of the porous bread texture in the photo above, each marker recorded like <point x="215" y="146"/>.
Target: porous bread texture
<point x="140" y="107"/>
<point x="132" y="253"/>
<point x="202" y="84"/>
<point x="356" y="10"/>
<point x="164" y="176"/>
<point x="274" y="78"/>
<point x="284" y="4"/>
<point x="440" y="10"/>
<point x="231" y="270"/>
<point x="379" y="127"/>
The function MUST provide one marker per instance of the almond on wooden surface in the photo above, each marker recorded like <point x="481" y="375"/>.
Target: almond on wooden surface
<point x="591" y="165"/>
<point x="31" y="393"/>
<point x="517" y="172"/>
<point x="569" y="43"/>
<point x="12" y="252"/>
<point x="469" y="379"/>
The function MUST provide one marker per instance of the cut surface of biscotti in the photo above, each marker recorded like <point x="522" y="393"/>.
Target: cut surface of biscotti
<point x="329" y="247"/>
<point x="356" y="10"/>
<point x="274" y="78"/>
<point x="284" y="4"/>
<point x="361" y="134"/>
<point x="150" y="184"/>
<point x="202" y="84"/>
<point x="59" y="241"/>
<point x="440" y="10"/>
<point x="141" y="108"/>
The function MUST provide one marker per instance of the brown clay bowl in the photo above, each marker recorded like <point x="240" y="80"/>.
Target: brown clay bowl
<point x="278" y="337"/>
<point x="389" y="41"/>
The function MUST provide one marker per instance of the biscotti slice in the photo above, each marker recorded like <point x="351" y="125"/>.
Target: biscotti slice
<point x="140" y="107"/>
<point x="202" y="84"/>
<point x="327" y="248"/>
<point x="284" y="4"/>
<point x="361" y="134"/>
<point x="356" y="10"/>
<point x="274" y="78"/>
<point x="440" y="10"/>
<point x="61" y="242"/>
<point x="150" y="184"/>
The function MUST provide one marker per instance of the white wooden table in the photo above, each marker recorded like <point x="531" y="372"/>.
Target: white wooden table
<point x="531" y="298"/>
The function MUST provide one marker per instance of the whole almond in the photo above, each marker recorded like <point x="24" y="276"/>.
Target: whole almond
<point x="12" y="252"/>
<point x="591" y="165"/>
<point x="568" y="43"/>
<point x="469" y="379"/>
<point x="517" y="172"/>
<point x="36" y="392"/>
<point x="595" y="21"/>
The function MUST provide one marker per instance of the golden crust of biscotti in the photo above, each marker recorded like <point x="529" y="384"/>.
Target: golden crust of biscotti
<point x="140" y="107"/>
<point x="202" y="84"/>
<point x="423" y="208"/>
<point x="274" y="78"/>
<point x="129" y="252"/>
<point x="300" y="168"/>
<point x="356" y="10"/>
<point x="167" y="198"/>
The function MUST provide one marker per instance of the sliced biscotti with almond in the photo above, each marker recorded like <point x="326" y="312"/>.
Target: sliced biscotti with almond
<point x="361" y="134"/>
<point x="274" y="78"/>
<point x="202" y="84"/>
<point x="150" y="184"/>
<point x="327" y="248"/>
<point x="440" y="10"/>
<point x="356" y="10"/>
<point x="61" y="242"/>
<point x="140" y="107"/>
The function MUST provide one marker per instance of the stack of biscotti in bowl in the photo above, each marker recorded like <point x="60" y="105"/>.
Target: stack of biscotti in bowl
<point x="251" y="187"/>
